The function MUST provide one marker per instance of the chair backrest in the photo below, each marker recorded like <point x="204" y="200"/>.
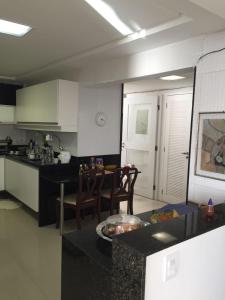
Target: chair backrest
<point x="90" y="183"/>
<point x="124" y="180"/>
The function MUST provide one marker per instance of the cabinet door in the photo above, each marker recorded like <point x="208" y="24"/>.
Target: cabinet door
<point x="38" y="103"/>
<point x="7" y="114"/>
<point x="22" y="182"/>
<point x="2" y="175"/>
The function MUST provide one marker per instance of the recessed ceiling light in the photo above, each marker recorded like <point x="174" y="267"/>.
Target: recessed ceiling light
<point x="172" y="77"/>
<point x="109" y="15"/>
<point x="14" y="29"/>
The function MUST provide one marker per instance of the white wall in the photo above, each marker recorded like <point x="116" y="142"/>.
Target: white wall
<point x="177" y="56"/>
<point x="92" y="139"/>
<point x="209" y="97"/>
<point x="201" y="270"/>
<point x="18" y="136"/>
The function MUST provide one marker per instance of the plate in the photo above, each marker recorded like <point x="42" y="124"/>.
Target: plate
<point x="101" y="226"/>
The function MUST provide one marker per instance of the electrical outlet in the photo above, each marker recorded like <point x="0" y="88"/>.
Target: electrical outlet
<point x="171" y="264"/>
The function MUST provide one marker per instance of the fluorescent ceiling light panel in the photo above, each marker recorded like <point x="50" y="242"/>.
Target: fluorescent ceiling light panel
<point x="110" y="16"/>
<point x="14" y="29"/>
<point x="172" y="77"/>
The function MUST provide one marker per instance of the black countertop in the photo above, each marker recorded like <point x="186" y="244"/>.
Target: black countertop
<point x="33" y="163"/>
<point x="97" y="249"/>
<point x="124" y="260"/>
<point x="26" y="160"/>
<point x="144" y="240"/>
<point x="160" y="236"/>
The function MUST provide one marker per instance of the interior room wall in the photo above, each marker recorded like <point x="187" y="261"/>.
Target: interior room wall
<point x="209" y="97"/>
<point x="93" y="139"/>
<point x="18" y="136"/>
<point x="200" y="270"/>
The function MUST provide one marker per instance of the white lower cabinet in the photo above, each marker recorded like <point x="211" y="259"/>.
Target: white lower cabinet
<point x="22" y="181"/>
<point x="2" y="174"/>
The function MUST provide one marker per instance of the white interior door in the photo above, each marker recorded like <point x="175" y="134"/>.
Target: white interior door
<point x="174" y="169"/>
<point x="139" y="139"/>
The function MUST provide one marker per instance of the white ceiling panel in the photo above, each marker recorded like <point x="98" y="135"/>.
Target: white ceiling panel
<point x="142" y="13"/>
<point x="70" y="34"/>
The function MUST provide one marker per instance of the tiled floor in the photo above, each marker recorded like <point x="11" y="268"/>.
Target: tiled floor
<point x="30" y="257"/>
<point x="142" y="204"/>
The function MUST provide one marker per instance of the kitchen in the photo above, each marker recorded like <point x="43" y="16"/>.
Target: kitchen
<point x="99" y="74"/>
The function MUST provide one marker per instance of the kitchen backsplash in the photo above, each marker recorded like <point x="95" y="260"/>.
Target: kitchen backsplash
<point x="68" y="140"/>
<point x="18" y="136"/>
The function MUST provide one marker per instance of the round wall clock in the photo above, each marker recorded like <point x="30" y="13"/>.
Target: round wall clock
<point x="100" y="119"/>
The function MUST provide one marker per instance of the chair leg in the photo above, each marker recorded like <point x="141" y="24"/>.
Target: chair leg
<point x="128" y="206"/>
<point x="78" y="217"/>
<point x="131" y="206"/>
<point x="57" y="214"/>
<point x="111" y="207"/>
<point x="118" y="207"/>
<point x="82" y="213"/>
<point x="94" y="212"/>
<point x="99" y="210"/>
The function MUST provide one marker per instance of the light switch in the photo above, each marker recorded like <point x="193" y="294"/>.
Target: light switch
<point x="171" y="264"/>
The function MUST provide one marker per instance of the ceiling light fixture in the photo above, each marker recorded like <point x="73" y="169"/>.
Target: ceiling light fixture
<point x="110" y="16"/>
<point x="172" y="77"/>
<point x="14" y="29"/>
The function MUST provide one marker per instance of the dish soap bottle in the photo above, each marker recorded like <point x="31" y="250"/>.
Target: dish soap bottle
<point x="210" y="209"/>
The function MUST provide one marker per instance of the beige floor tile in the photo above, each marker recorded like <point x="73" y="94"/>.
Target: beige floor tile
<point x="30" y="257"/>
<point x="142" y="204"/>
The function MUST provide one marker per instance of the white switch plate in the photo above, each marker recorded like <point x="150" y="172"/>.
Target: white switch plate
<point x="170" y="265"/>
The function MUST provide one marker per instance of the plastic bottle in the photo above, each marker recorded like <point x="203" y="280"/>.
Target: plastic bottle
<point x="210" y="209"/>
<point x="81" y="170"/>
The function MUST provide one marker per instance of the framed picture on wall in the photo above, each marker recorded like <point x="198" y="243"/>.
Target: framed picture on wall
<point x="210" y="161"/>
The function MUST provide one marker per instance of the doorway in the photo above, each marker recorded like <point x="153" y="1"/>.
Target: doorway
<point x="156" y="137"/>
<point x="139" y="139"/>
<point x="174" y="150"/>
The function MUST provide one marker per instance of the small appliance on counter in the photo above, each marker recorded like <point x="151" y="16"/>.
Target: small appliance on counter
<point x="5" y="144"/>
<point x="64" y="157"/>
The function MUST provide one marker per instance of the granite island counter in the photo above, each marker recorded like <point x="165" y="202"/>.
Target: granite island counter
<point x="96" y="269"/>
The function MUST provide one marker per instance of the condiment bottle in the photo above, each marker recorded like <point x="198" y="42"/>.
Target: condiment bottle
<point x="81" y="170"/>
<point x="210" y="209"/>
<point x="92" y="163"/>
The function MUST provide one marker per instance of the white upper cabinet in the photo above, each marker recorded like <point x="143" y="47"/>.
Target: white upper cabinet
<point x="7" y="114"/>
<point x="51" y="105"/>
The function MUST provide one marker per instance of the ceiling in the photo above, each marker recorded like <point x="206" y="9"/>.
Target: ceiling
<point x="69" y="34"/>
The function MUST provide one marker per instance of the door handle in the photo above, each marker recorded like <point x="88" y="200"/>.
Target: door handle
<point x="123" y="145"/>
<point x="185" y="153"/>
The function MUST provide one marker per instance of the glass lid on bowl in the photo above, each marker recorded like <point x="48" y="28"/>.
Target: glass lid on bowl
<point x="123" y="219"/>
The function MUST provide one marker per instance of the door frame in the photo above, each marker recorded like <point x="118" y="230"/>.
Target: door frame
<point x="158" y="116"/>
<point x="159" y="132"/>
<point x="162" y="134"/>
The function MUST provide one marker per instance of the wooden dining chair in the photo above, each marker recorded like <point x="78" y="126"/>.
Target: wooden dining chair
<point x="88" y="194"/>
<point x="122" y="189"/>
